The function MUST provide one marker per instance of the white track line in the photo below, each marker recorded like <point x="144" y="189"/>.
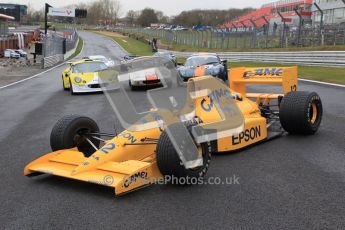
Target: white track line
<point x="322" y="83"/>
<point x="36" y="75"/>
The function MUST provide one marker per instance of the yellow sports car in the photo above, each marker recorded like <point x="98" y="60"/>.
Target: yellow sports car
<point x="82" y="76"/>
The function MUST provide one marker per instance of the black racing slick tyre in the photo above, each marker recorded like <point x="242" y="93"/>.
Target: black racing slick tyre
<point x="73" y="131"/>
<point x="133" y="88"/>
<point x="301" y="112"/>
<point x="170" y="164"/>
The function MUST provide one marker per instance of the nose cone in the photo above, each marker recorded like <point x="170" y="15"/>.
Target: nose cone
<point x="103" y="155"/>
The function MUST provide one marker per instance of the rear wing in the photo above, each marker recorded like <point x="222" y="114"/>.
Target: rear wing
<point x="287" y="77"/>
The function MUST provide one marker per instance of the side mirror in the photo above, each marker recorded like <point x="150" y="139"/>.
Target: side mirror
<point x="224" y="62"/>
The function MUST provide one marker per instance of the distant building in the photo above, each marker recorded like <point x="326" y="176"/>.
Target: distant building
<point x="15" y="10"/>
<point x="333" y="10"/>
<point x="4" y="23"/>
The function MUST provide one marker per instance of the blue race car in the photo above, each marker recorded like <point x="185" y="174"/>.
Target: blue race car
<point x="204" y="64"/>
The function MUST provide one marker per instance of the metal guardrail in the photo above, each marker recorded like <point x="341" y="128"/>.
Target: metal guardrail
<point x="52" y="45"/>
<point x="55" y="46"/>
<point x="52" y="51"/>
<point x="307" y="58"/>
<point x="52" y="60"/>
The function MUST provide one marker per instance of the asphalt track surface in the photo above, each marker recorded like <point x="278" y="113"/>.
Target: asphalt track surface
<point x="293" y="182"/>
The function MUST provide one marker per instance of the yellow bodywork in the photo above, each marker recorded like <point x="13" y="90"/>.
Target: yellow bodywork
<point x="68" y="76"/>
<point x="125" y="163"/>
<point x="118" y="168"/>
<point x="284" y="76"/>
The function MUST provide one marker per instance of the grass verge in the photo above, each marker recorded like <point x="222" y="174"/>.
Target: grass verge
<point x="185" y="48"/>
<point x="325" y="74"/>
<point x="131" y="45"/>
<point x="78" y="49"/>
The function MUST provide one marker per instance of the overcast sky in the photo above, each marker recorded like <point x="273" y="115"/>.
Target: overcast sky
<point x="169" y="7"/>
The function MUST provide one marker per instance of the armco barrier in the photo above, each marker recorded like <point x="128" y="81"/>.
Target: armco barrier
<point x="52" y="60"/>
<point x="307" y="58"/>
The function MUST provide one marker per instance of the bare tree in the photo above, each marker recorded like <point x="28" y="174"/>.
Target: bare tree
<point x="161" y="17"/>
<point x="109" y="10"/>
<point x="208" y="17"/>
<point x="93" y="13"/>
<point x="115" y="10"/>
<point x="147" y="17"/>
<point x="38" y="16"/>
<point x="131" y="17"/>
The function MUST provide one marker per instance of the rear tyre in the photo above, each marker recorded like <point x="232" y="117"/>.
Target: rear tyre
<point x="71" y="131"/>
<point x="301" y="112"/>
<point x="169" y="162"/>
<point x="132" y="86"/>
<point x="224" y="77"/>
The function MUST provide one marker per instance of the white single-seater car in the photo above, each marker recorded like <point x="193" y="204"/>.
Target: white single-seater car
<point x="107" y="61"/>
<point x="144" y="78"/>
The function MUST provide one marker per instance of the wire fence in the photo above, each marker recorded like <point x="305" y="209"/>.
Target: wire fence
<point x="256" y="38"/>
<point x="55" y="46"/>
<point x="71" y="39"/>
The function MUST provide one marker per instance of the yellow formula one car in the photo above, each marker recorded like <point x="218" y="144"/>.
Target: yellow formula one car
<point x="138" y="157"/>
<point x="82" y="76"/>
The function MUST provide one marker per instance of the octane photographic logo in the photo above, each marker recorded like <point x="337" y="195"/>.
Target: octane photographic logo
<point x="233" y="180"/>
<point x="172" y="105"/>
<point x="108" y="180"/>
<point x="142" y="178"/>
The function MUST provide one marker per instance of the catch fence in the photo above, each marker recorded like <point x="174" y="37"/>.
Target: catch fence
<point x="55" y="46"/>
<point x="256" y="38"/>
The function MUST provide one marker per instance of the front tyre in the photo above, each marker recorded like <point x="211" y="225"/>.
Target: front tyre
<point x="71" y="88"/>
<point x="133" y="88"/>
<point x="71" y="131"/>
<point x="301" y="112"/>
<point x="63" y="84"/>
<point x="224" y="76"/>
<point x="170" y="164"/>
